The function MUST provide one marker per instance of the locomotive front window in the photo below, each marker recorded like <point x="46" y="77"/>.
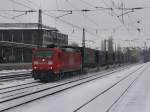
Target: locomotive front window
<point x="43" y="54"/>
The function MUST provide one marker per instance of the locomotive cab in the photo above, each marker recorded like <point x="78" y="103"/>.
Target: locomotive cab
<point x="49" y="64"/>
<point x="42" y="60"/>
<point x="45" y="63"/>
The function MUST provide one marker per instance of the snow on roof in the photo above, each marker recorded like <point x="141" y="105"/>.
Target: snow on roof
<point x="24" y="26"/>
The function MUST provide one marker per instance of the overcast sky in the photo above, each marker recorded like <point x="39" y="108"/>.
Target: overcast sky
<point x="99" y="24"/>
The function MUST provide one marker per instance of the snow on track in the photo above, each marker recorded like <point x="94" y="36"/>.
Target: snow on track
<point x="104" y="102"/>
<point x="137" y="98"/>
<point x="13" y="72"/>
<point x="15" y="98"/>
<point x="9" y="75"/>
<point x="15" y="83"/>
<point x="69" y="100"/>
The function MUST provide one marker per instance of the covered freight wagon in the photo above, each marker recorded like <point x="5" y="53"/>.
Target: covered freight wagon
<point x="89" y="57"/>
<point x="101" y="58"/>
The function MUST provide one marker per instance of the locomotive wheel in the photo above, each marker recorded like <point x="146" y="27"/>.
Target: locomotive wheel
<point x="62" y="75"/>
<point x="57" y="77"/>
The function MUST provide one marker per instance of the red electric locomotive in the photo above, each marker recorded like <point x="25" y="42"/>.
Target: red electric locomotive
<point x="51" y="63"/>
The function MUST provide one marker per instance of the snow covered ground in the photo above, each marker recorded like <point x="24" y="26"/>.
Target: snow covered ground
<point x="23" y="81"/>
<point x="71" y="99"/>
<point x="15" y="82"/>
<point x="10" y="72"/>
<point x="14" y="72"/>
<point x="137" y="98"/>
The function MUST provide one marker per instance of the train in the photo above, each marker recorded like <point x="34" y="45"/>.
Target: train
<point x="54" y="62"/>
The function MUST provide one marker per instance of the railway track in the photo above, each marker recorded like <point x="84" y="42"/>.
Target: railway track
<point x="80" y="109"/>
<point x="81" y="76"/>
<point x="14" y="77"/>
<point x="12" y="98"/>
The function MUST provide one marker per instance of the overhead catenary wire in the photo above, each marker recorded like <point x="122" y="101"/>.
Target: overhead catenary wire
<point x="86" y="17"/>
<point x="117" y="18"/>
<point x="70" y="12"/>
<point x="24" y="12"/>
<point x="97" y="8"/>
<point x="87" y="3"/>
<point x="94" y="8"/>
<point x="75" y="8"/>
<point x="70" y="24"/>
<point x="21" y="4"/>
<point x="109" y="8"/>
<point x="33" y="3"/>
<point x="5" y="17"/>
<point x="35" y="11"/>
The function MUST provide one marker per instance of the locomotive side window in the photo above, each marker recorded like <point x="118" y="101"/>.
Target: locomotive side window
<point x="43" y="54"/>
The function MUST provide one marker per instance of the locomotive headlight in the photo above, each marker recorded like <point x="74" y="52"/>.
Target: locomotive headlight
<point x="50" y="62"/>
<point x="50" y="68"/>
<point x="35" y="62"/>
<point x="35" y="67"/>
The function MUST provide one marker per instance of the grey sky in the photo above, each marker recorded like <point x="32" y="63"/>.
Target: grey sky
<point x="101" y="23"/>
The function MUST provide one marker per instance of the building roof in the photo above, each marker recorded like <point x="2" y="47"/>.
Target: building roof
<point x="16" y="44"/>
<point x="25" y="26"/>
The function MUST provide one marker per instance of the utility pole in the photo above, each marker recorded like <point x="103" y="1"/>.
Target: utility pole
<point x="83" y="38"/>
<point x="145" y="46"/>
<point x="40" y="19"/>
<point x="122" y="12"/>
<point x="105" y="45"/>
<point x="40" y="27"/>
<point x="83" y="49"/>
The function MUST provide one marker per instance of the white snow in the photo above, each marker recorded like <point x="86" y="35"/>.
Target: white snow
<point x="15" y="82"/>
<point x="137" y="99"/>
<point x="104" y="102"/>
<point x="71" y="99"/>
<point x="14" y="72"/>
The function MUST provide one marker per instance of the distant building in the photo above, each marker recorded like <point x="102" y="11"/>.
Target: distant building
<point x="18" y="39"/>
